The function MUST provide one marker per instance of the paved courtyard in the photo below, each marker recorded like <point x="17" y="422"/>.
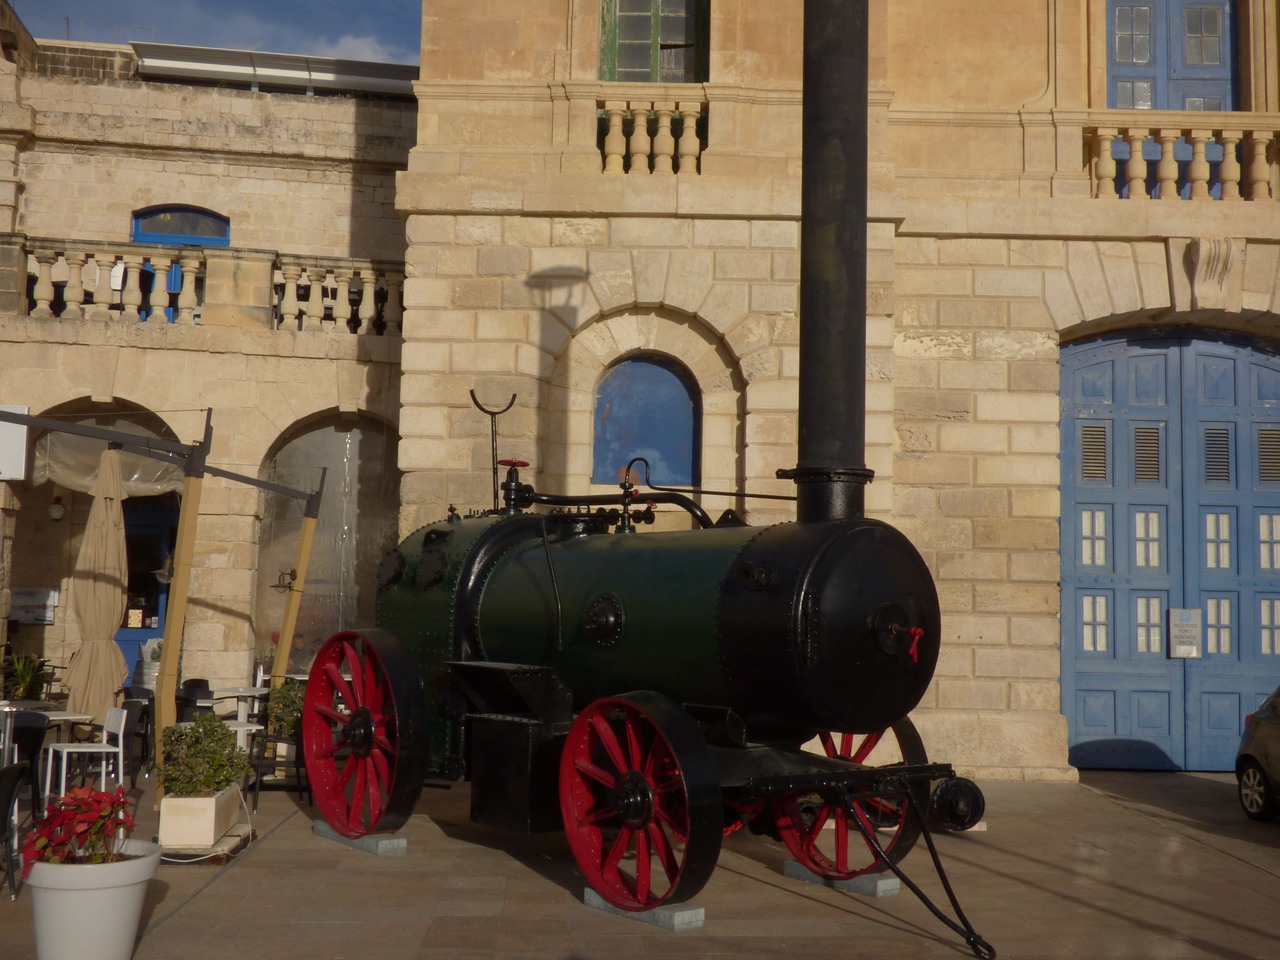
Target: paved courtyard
<point x="1121" y="865"/>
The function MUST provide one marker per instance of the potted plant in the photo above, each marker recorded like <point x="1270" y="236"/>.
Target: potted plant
<point x="26" y="677"/>
<point x="201" y="777"/>
<point x="88" y="880"/>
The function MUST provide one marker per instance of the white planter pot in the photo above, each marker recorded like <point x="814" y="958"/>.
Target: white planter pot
<point x="198" y="821"/>
<point x="91" y="909"/>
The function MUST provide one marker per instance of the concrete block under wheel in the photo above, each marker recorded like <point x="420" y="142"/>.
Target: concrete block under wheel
<point x="868" y="885"/>
<point x="677" y="917"/>
<point x="381" y="844"/>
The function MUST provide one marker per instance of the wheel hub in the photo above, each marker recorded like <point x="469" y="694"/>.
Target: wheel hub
<point x="634" y="800"/>
<point x="359" y="732"/>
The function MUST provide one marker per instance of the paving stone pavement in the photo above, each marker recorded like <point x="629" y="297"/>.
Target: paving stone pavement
<point x="1120" y="865"/>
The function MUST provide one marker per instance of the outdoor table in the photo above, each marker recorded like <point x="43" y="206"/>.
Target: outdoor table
<point x="243" y="696"/>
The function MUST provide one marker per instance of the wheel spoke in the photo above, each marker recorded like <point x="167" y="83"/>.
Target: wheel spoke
<point x="356" y="669"/>
<point x="340" y="685"/>
<point x="644" y="867"/>
<point x="661" y="844"/>
<point x="332" y="715"/>
<point x="634" y="758"/>
<point x="864" y="749"/>
<point x="598" y="774"/>
<point x="620" y="848"/>
<point x="609" y="741"/>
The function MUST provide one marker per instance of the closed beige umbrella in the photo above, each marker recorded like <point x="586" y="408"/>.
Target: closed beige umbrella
<point x="97" y="671"/>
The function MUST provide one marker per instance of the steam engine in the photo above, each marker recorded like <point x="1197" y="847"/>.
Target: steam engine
<point x="646" y="692"/>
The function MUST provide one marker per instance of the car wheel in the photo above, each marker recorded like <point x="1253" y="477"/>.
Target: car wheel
<point x="1257" y="798"/>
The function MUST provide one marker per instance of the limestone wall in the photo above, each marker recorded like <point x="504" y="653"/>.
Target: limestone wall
<point x="308" y="175"/>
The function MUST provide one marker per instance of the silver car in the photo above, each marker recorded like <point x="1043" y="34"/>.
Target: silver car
<point x="1258" y="761"/>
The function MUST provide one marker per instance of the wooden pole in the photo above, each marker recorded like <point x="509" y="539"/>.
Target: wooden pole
<point x="280" y="665"/>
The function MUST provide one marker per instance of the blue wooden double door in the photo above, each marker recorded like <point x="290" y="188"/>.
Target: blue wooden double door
<point x="1170" y="547"/>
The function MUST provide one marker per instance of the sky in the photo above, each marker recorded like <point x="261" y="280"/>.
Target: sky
<point x="380" y="30"/>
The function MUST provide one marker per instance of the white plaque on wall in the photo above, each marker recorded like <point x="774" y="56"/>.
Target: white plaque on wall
<point x="1184" y="633"/>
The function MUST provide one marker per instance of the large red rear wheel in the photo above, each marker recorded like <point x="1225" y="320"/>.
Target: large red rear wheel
<point x="641" y="801"/>
<point x="823" y="837"/>
<point x="363" y="732"/>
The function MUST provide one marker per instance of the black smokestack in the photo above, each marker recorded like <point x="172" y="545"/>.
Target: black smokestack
<point x="831" y="474"/>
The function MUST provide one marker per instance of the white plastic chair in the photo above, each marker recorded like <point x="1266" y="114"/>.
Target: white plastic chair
<point x="112" y="746"/>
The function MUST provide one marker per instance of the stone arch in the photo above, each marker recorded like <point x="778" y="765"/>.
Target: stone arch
<point x="1228" y="284"/>
<point x="629" y="331"/>
<point x="357" y="524"/>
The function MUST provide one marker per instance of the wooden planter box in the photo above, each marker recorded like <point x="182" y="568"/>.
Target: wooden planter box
<point x="198" y="821"/>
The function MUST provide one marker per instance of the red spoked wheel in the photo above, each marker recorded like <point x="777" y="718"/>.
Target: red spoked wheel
<point x="821" y="835"/>
<point x="363" y="732"/>
<point x="641" y="801"/>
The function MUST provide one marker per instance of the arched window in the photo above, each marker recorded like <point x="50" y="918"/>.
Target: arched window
<point x="178" y="225"/>
<point x="648" y="406"/>
<point x="655" y="41"/>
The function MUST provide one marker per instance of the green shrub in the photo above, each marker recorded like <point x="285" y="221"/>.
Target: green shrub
<point x="201" y="759"/>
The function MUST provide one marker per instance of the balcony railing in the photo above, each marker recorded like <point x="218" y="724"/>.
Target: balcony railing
<point x="652" y="136"/>
<point x="322" y="294"/>
<point x="1173" y="155"/>
<point x="78" y="280"/>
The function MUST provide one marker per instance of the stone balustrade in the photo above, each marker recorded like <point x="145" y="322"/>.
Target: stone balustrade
<point x="315" y="293"/>
<point x="647" y="135"/>
<point x="1172" y="155"/>
<point x="95" y="282"/>
<point x="78" y="280"/>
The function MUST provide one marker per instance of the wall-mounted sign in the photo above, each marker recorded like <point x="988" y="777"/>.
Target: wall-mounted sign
<point x="1184" y="633"/>
<point x="33" y="605"/>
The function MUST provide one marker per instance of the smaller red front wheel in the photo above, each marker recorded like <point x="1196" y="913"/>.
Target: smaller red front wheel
<point x="824" y="838"/>
<point x="363" y="733"/>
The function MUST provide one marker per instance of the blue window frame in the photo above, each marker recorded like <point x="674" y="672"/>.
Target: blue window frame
<point x="176" y="226"/>
<point x="648" y="406"/>
<point x="181" y="226"/>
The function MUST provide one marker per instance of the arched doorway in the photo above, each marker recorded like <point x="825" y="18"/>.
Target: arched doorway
<point x="1170" y="546"/>
<point x="356" y="526"/>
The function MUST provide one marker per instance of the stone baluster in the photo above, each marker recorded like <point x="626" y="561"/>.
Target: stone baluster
<point x="1198" y="170"/>
<point x="315" y="299"/>
<point x="689" y="146"/>
<point x="289" y="300"/>
<point x="1257" y="172"/>
<point x="664" y="144"/>
<point x="158" y="301"/>
<point x="342" y="299"/>
<point x="368" y="299"/>
<point x="43" y="292"/>
<point x="392" y="312"/>
<point x="73" y="292"/>
<point x="1135" y="170"/>
<point x="1104" y="164"/>
<point x="615" y="144"/>
<point x="641" y="144"/>
<point x="1167" y="168"/>
<point x="131" y="295"/>
<point x="1229" y="169"/>
<point x="101" y="309"/>
<point x="187" y="301"/>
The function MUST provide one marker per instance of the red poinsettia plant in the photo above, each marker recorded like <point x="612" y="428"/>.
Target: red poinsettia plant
<point x="85" y="826"/>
